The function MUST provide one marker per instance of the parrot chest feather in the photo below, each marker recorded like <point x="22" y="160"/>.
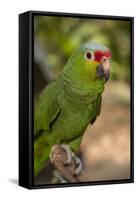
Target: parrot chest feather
<point x="72" y="120"/>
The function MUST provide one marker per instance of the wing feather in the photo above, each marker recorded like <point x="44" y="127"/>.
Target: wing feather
<point x="46" y="109"/>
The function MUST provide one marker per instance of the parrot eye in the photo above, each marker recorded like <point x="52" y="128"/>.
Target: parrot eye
<point x="89" y="55"/>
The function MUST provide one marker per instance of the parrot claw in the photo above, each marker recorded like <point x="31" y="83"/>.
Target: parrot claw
<point x="71" y="156"/>
<point x="69" y="153"/>
<point x="78" y="165"/>
<point x="67" y="150"/>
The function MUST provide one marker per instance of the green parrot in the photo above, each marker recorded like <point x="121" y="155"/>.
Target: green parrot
<point x="69" y="104"/>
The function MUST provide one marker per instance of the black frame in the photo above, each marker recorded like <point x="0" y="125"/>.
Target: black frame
<point x="26" y="86"/>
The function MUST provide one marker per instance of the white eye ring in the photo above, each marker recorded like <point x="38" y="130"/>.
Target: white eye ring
<point x="89" y="55"/>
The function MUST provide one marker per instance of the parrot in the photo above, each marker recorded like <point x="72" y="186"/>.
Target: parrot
<point x="65" y="107"/>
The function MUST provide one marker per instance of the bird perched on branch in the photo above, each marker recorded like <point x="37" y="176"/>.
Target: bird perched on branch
<point x="66" y="106"/>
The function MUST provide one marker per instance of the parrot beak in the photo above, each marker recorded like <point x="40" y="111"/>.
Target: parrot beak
<point x="103" y="69"/>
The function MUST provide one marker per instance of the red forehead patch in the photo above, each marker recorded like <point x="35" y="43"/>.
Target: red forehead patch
<point x="99" y="54"/>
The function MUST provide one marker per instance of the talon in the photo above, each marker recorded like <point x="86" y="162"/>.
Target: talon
<point x="78" y="165"/>
<point x="69" y="153"/>
<point x="70" y="156"/>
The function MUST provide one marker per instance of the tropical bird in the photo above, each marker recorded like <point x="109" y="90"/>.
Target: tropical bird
<point x="69" y="104"/>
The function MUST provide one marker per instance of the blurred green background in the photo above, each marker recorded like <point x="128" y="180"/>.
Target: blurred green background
<point x="105" y="148"/>
<point x="59" y="36"/>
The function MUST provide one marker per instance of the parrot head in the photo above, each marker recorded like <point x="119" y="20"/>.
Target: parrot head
<point x="89" y="67"/>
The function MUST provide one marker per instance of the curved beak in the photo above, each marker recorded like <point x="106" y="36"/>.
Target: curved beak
<point x="103" y="69"/>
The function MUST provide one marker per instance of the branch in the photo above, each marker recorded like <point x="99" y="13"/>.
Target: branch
<point x="59" y="157"/>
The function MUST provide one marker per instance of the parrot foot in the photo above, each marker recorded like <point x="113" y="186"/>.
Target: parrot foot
<point x="78" y="164"/>
<point x="71" y="156"/>
<point x="68" y="152"/>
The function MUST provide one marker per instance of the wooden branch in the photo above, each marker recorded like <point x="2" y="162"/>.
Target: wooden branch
<point x="59" y="157"/>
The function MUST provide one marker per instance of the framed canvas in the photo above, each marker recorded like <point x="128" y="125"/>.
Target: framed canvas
<point x="76" y="84"/>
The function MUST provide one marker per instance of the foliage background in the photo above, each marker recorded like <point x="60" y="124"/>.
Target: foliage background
<point x="60" y="36"/>
<point x="105" y="148"/>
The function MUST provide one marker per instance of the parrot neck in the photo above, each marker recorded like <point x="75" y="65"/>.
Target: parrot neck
<point x="75" y="95"/>
<point x="82" y="89"/>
